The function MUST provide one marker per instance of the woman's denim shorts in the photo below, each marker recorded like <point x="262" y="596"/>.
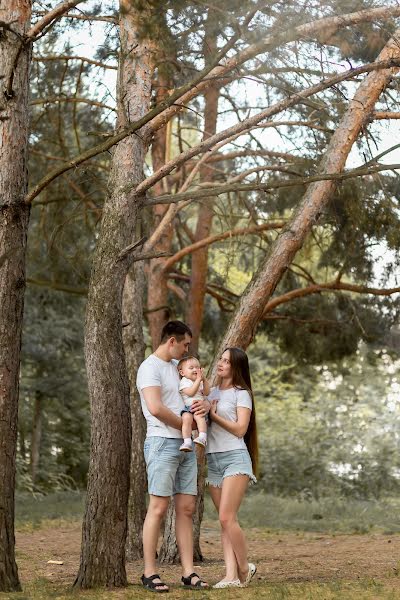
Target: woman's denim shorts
<point x="228" y="464"/>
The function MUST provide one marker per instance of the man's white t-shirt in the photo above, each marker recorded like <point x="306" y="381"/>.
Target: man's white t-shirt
<point x="219" y="439"/>
<point x="187" y="383"/>
<point x="157" y="372"/>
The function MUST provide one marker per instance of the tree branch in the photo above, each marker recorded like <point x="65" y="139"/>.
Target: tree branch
<point x="90" y="61"/>
<point x="217" y="238"/>
<point x="215" y="70"/>
<point x="136" y="125"/>
<point x="248" y="123"/>
<point x="265" y="187"/>
<point x="50" y="18"/>
<point x="326" y="287"/>
<point x="70" y="99"/>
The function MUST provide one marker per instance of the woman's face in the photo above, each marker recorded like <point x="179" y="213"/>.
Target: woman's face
<point x="224" y="368"/>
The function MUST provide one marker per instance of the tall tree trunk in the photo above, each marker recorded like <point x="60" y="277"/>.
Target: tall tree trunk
<point x="194" y="315"/>
<point x="36" y="435"/>
<point x="14" y="218"/>
<point x="134" y="345"/>
<point x="199" y="266"/>
<point x="249" y="312"/>
<point x="105" y="521"/>
<point x="157" y="290"/>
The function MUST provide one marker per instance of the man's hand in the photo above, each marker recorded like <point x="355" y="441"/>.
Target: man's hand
<point x="201" y="407"/>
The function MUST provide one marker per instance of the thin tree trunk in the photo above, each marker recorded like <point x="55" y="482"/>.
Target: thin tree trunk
<point x="157" y="290"/>
<point x="194" y="316"/>
<point x="199" y="260"/>
<point x="36" y="436"/>
<point x="14" y="219"/>
<point x="169" y="549"/>
<point x="134" y="351"/>
<point x="244" y="322"/>
<point x="199" y="266"/>
<point x="105" y="523"/>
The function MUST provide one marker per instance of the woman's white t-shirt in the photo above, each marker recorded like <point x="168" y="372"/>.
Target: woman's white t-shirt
<point x="219" y="439"/>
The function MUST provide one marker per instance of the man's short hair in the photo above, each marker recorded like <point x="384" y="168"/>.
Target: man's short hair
<point x="175" y="329"/>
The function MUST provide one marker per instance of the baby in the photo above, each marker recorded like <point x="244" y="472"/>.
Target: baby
<point x="193" y="386"/>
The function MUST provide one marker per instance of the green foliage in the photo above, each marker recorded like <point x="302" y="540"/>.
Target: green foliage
<point x="329" y="429"/>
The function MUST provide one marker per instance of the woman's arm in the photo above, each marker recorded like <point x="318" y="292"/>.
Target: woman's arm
<point x="237" y="428"/>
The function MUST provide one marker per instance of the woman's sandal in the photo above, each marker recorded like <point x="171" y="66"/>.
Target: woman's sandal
<point x="250" y="574"/>
<point x="154" y="586"/>
<point x="199" y="585"/>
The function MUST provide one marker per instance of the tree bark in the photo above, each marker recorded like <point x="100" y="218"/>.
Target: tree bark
<point x="250" y="310"/>
<point x="199" y="266"/>
<point x="169" y="549"/>
<point x="157" y="290"/>
<point x="105" y="521"/>
<point x="14" y="217"/>
<point x="134" y="345"/>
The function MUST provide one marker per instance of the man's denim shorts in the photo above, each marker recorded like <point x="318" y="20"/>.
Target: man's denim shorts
<point x="169" y="471"/>
<point x="228" y="464"/>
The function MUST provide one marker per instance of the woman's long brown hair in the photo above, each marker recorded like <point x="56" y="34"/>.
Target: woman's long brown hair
<point x="241" y="380"/>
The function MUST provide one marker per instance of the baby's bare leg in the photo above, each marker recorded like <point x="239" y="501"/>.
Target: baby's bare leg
<point x="187" y="420"/>
<point x="201" y="424"/>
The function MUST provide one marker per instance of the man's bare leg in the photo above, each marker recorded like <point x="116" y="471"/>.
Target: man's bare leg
<point x="151" y="530"/>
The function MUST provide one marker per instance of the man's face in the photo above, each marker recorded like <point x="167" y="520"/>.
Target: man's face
<point x="179" y="349"/>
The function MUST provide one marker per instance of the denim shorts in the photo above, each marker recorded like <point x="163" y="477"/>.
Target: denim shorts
<point x="228" y="464"/>
<point x="169" y="471"/>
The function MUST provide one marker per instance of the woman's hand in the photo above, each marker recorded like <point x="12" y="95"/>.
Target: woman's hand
<point x="213" y="409"/>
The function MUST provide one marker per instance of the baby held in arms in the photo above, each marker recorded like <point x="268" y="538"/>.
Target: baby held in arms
<point x="193" y="386"/>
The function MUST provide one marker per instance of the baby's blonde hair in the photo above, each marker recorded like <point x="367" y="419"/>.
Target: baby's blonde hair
<point x="184" y="360"/>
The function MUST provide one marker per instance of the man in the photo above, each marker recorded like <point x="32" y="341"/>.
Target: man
<point x="169" y="471"/>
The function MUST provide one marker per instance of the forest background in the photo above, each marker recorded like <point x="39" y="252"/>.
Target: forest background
<point x="325" y="354"/>
<point x="325" y="367"/>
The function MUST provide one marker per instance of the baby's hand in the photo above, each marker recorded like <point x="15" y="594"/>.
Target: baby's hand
<point x="200" y="374"/>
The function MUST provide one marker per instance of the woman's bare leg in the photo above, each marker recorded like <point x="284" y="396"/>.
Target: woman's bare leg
<point x="229" y="555"/>
<point x="233" y="490"/>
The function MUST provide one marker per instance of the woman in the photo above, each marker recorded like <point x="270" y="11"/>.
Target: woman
<point x="232" y="454"/>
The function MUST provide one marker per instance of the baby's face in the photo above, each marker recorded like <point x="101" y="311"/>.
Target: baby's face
<point x="190" y="369"/>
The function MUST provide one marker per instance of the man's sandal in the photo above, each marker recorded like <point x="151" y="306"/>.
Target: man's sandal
<point x="199" y="585"/>
<point x="154" y="586"/>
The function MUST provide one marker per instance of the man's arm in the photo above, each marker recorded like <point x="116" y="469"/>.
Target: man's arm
<point x="152" y="397"/>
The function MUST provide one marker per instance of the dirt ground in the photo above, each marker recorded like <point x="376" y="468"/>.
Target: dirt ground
<point x="280" y="557"/>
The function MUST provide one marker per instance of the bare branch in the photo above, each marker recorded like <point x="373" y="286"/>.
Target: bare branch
<point x="90" y="61"/>
<point x="84" y="17"/>
<point x="50" y="18"/>
<point x="327" y="287"/>
<point x="265" y="187"/>
<point x="70" y="99"/>
<point x="219" y="237"/>
<point x="384" y="115"/>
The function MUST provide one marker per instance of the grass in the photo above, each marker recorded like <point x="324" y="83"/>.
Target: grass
<point x="364" y="590"/>
<point x="266" y="512"/>
<point x="328" y="515"/>
<point x="34" y="511"/>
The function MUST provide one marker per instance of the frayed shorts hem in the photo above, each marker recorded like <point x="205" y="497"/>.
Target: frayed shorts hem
<point x="252" y="479"/>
